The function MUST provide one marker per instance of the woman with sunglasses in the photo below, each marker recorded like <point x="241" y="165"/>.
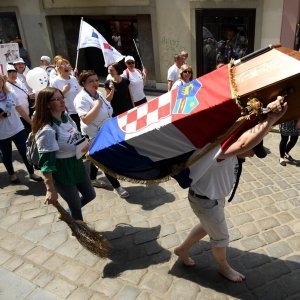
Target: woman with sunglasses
<point x="12" y="130"/>
<point x="185" y="76"/>
<point x="94" y="110"/>
<point x="56" y="136"/>
<point x="137" y="81"/>
<point x="69" y="86"/>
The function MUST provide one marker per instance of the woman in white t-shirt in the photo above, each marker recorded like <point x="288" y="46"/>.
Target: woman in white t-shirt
<point x="69" y="86"/>
<point x="93" y="110"/>
<point x="12" y="130"/>
<point x="185" y="76"/>
<point x="137" y="81"/>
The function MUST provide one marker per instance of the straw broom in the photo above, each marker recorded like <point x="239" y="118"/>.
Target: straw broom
<point x="87" y="237"/>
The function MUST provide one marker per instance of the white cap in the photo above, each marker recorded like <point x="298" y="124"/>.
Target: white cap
<point x="10" y="67"/>
<point x="129" y="58"/>
<point x="19" y="60"/>
<point x="46" y="58"/>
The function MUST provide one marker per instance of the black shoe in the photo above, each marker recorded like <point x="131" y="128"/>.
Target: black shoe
<point x="36" y="178"/>
<point x="15" y="181"/>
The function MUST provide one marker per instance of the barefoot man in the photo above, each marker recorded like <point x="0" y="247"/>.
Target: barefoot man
<point x="207" y="194"/>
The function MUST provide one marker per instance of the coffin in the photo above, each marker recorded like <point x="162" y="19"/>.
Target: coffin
<point x="157" y="139"/>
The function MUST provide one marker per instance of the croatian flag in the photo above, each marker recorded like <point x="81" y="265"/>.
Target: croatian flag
<point x="160" y="137"/>
<point x="90" y="37"/>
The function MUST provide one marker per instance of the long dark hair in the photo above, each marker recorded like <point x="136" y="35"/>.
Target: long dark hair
<point x="43" y="115"/>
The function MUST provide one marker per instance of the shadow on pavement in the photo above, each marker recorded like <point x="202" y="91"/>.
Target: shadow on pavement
<point x="133" y="248"/>
<point x="149" y="197"/>
<point x="266" y="277"/>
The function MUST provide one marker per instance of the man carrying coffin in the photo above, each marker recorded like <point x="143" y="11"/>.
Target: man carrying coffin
<point x="207" y="194"/>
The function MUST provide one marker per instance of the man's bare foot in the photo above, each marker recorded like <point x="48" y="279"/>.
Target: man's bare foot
<point x="187" y="261"/>
<point x="231" y="274"/>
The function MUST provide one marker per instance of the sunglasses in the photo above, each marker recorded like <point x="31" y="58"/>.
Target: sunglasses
<point x="130" y="62"/>
<point x="186" y="71"/>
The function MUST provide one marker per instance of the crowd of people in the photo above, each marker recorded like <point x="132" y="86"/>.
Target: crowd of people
<point x="72" y="107"/>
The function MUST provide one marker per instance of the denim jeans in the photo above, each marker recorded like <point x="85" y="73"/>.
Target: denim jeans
<point x="19" y="140"/>
<point x="77" y="195"/>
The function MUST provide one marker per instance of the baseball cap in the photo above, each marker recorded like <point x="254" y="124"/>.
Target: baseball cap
<point x="259" y="150"/>
<point x="10" y="67"/>
<point x="46" y="58"/>
<point x="129" y="58"/>
<point x="19" y="60"/>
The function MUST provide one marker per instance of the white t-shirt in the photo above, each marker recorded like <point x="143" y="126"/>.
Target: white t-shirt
<point x="84" y="103"/>
<point x="61" y="138"/>
<point x="177" y="83"/>
<point x="22" y="79"/>
<point x="136" y="85"/>
<point x="20" y="94"/>
<point x="59" y="82"/>
<point x="218" y="180"/>
<point x="11" y="125"/>
<point x="52" y="75"/>
<point x="173" y="73"/>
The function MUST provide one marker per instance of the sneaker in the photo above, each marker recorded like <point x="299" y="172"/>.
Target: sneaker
<point x="282" y="162"/>
<point x="122" y="192"/>
<point x="289" y="158"/>
<point x="100" y="184"/>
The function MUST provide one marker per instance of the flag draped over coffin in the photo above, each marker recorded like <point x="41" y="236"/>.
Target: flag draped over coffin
<point x="90" y="37"/>
<point x="149" y="142"/>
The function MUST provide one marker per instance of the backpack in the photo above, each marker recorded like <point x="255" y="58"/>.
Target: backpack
<point x="32" y="153"/>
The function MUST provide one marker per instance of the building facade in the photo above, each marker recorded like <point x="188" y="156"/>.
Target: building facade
<point x="211" y="31"/>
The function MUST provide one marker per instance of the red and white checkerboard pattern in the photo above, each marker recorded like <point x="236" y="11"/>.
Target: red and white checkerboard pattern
<point x="146" y="114"/>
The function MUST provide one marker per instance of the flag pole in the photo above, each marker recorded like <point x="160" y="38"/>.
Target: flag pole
<point x="78" y="44"/>
<point x="138" y="53"/>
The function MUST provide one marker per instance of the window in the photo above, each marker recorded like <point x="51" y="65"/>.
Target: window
<point x="222" y="35"/>
<point x="9" y="30"/>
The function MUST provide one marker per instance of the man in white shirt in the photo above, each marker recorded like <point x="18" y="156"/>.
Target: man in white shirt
<point x="207" y="194"/>
<point x="173" y="71"/>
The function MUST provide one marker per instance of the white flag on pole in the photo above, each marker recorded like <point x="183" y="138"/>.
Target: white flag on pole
<point x="90" y="37"/>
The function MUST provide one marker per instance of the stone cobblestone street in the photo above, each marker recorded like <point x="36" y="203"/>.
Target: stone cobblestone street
<point x="39" y="258"/>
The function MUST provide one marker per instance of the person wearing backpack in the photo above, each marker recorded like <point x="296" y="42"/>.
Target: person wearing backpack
<point x="137" y="81"/>
<point x="12" y="130"/>
<point x="56" y="137"/>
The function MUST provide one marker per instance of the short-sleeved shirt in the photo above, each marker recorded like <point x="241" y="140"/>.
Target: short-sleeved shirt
<point x="173" y="73"/>
<point x="121" y="100"/>
<point x="21" y="92"/>
<point x="57" y="151"/>
<point x="83" y="104"/>
<point x="59" y="82"/>
<point x="11" y="125"/>
<point x="136" y="84"/>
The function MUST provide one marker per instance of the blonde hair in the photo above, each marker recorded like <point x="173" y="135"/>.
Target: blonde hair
<point x="56" y="58"/>
<point x="61" y="62"/>
<point x="5" y="89"/>
<point x="183" y="68"/>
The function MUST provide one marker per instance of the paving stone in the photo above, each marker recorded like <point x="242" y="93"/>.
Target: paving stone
<point x="170" y="241"/>
<point x="10" y="242"/>
<point x="43" y="278"/>
<point x="294" y="242"/>
<point x="284" y="231"/>
<point x="269" y="236"/>
<point x="284" y="217"/>
<point x="272" y="291"/>
<point x="9" y="220"/>
<point x="268" y="223"/>
<point x="133" y="276"/>
<point x="22" y="226"/>
<point x="252" y="243"/>
<point x="107" y="286"/>
<point x="34" y="213"/>
<point x="275" y="269"/>
<point x="234" y="234"/>
<point x="60" y="287"/>
<point x="88" y="278"/>
<point x="4" y="256"/>
<point x="54" y="240"/>
<point x="36" y="234"/>
<point x="211" y="294"/>
<point x="248" y="229"/>
<point x="87" y="258"/>
<point x="13" y="263"/>
<point x="291" y="282"/>
<point x="28" y="271"/>
<point x="254" y="279"/>
<point x="254" y="260"/>
<point x="23" y="247"/>
<point x="22" y="200"/>
<point x="38" y="255"/>
<point x="54" y="262"/>
<point x="70" y="248"/>
<point x="293" y="262"/>
<point x="71" y="270"/>
<point x="156" y="283"/>
<point x="264" y="191"/>
<point x="184" y="289"/>
<point x="144" y="237"/>
<point x="80" y="294"/>
<point x="167" y="229"/>
<point x="128" y="293"/>
<point x="242" y="219"/>
<point x="279" y="249"/>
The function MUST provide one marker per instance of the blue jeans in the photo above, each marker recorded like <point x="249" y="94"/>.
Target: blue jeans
<point x="19" y="140"/>
<point x="70" y="193"/>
